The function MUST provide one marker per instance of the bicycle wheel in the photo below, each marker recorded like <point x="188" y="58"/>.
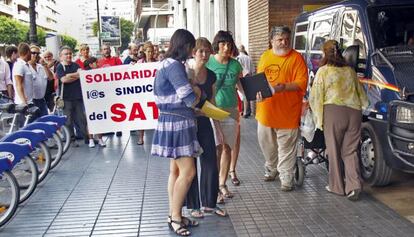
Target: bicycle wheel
<point x="9" y="196"/>
<point x="41" y="155"/>
<point x="64" y="135"/>
<point x="56" y="149"/>
<point x="26" y="174"/>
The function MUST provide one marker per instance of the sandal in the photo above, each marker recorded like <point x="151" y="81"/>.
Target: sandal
<point x="217" y="210"/>
<point x="180" y="230"/>
<point x="197" y="213"/>
<point x="187" y="222"/>
<point x="225" y="191"/>
<point x="234" y="180"/>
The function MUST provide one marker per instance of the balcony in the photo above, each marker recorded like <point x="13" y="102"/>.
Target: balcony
<point x="23" y="3"/>
<point x="23" y="16"/>
<point x="6" y="9"/>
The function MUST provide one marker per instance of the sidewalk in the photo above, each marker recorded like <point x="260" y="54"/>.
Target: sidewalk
<point x="121" y="190"/>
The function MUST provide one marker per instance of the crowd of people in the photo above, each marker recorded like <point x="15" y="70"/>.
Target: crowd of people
<point x="191" y="72"/>
<point x="29" y="76"/>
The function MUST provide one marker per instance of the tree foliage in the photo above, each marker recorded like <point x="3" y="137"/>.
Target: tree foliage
<point x="69" y="41"/>
<point x="127" y="27"/>
<point x="14" y="32"/>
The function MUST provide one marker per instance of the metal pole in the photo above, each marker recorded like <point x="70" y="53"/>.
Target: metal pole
<point x="99" y="24"/>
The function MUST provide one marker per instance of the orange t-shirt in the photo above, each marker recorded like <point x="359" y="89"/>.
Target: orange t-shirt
<point x="283" y="109"/>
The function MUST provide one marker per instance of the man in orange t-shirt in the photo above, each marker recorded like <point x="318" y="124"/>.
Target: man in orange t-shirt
<point x="279" y="116"/>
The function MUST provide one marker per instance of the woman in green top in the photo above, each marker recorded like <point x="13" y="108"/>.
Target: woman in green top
<point x="228" y="72"/>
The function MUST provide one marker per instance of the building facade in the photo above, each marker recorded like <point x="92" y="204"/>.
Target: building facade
<point x="154" y="21"/>
<point x="265" y="14"/>
<point x="47" y="12"/>
<point x="206" y="17"/>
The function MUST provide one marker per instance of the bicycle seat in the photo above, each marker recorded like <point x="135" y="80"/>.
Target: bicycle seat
<point x="14" y="152"/>
<point x="21" y="109"/>
<point x="48" y="129"/>
<point x="60" y="120"/>
<point x="31" y="138"/>
<point x="7" y="107"/>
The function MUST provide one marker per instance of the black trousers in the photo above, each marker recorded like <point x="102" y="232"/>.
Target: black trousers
<point x="209" y="177"/>
<point x="75" y="112"/>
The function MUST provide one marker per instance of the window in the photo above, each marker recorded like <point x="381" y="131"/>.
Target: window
<point x="320" y="33"/>
<point x="352" y="34"/>
<point x="301" y="37"/>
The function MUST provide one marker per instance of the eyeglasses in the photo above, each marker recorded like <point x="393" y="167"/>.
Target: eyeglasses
<point x="35" y="53"/>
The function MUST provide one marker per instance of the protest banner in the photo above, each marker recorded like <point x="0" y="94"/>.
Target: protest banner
<point x="120" y="98"/>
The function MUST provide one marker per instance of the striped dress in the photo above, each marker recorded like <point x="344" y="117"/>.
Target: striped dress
<point x="176" y="132"/>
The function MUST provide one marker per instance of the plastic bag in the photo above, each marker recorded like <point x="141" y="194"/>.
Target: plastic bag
<point x="307" y="125"/>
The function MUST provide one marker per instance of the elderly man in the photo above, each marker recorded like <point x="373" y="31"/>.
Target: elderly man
<point x="278" y="116"/>
<point x="49" y="62"/>
<point x="67" y="73"/>
<point x="133" y="54"/>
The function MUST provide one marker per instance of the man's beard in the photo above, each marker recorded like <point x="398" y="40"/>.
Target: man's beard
<point x="282" y="51"/>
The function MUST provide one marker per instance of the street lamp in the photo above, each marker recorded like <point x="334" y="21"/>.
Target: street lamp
<point x="156" y="19"/>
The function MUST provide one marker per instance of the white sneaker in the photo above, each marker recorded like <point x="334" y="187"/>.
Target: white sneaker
<point x="91" y="143"/>
<point x="102" y="143"/>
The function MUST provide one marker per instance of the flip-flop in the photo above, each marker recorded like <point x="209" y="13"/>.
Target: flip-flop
<point x="217" y="210"/>
<point x="197" y="213"/>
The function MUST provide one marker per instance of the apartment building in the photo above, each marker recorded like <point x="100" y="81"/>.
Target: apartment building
<point x="47" y="12"/>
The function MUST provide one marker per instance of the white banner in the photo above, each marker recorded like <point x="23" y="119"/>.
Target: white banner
<point x="120" y="98"/>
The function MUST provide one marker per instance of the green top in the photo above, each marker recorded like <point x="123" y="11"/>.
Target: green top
<point x="226" y="95"/>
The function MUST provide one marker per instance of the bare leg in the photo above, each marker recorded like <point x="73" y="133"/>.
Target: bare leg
<point x="140" y="137"/>
<point x="171" y="182"/>
<point x="235" y="152"/>
<point x="186" y="172"/>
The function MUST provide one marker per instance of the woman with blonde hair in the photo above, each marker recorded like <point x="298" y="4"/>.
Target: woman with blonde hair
<point x="337" y="98"/>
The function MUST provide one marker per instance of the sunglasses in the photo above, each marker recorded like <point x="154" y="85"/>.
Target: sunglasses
<point x="35" y="53"/>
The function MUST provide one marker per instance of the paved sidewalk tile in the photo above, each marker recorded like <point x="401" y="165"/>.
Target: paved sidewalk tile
<point x="121" y="190"/>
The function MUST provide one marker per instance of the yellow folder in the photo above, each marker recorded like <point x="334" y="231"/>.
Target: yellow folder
<point x="213" y="112"/>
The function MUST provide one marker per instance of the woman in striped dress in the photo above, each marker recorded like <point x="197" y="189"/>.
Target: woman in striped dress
<point x="176" y="134"/>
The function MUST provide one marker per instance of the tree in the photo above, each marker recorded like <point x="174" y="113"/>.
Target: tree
<point x="12" y="31"/>
<point x="33" y="29"/>
<point x="127" y="27"/>
<point x="41" y="36"/>
<point x="69" y="41"/>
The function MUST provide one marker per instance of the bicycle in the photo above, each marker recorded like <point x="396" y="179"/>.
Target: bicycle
<point x="9" y="188"/>
<point x="40" y="153"/>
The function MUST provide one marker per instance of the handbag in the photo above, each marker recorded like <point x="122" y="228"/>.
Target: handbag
<point x="307" y="125"/>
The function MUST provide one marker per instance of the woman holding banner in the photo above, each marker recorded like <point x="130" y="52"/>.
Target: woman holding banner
<point x="176" y="133"/>
<point x="149" y="57"/>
